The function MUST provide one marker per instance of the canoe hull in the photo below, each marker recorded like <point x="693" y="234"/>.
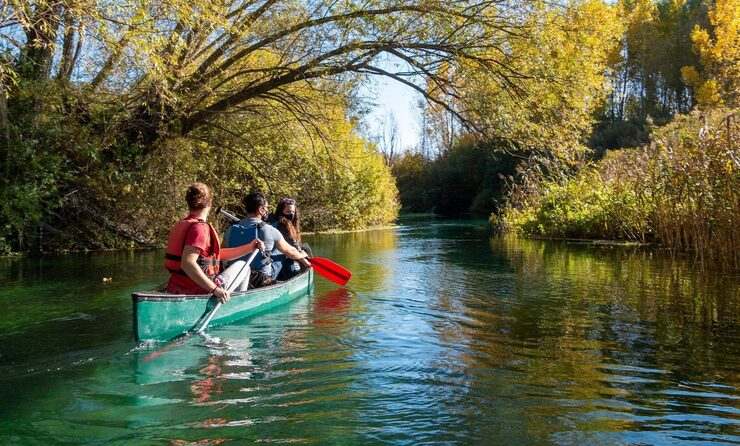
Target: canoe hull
<point x="160" y="316"/>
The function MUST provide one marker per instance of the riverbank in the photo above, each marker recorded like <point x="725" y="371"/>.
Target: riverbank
<point x="13" y="255"/>
<point x="350" y="231"/>
<point x="681" y="192"/>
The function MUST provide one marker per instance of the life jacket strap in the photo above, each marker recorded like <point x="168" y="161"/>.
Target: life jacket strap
<point x="177" y="271"/>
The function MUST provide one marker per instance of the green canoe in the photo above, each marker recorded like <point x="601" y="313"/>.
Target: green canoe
<point x="160" y="316"/>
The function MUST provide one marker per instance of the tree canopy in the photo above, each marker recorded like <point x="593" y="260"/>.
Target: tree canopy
<point x="179" y="65"/>
<point x="108" y="107"/>
<point x="719" y="54"/>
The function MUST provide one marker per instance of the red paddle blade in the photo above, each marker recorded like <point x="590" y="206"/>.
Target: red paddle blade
<point x="330" y="270"/>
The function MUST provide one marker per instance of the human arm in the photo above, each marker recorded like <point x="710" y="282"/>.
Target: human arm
<point x="291" y="252"/>
<point x="241" y="250"/>
<point x="189" y="265"/>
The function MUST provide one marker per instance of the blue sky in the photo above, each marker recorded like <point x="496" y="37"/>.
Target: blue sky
<point x="390" y="96"/>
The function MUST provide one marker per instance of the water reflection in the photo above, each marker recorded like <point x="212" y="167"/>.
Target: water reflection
<point x="330" y="310"/>
<point x="370" y="255"/>
<point x="444" y="336"/>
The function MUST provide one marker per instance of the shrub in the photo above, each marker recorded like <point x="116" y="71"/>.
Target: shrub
<point x="681" y="190"/>
<point x="467" y="179"/>
<point x="585" y="207"/>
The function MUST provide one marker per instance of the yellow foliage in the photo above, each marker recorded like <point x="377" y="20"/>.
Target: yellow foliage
<point x="719" y="81"/>
<point x="561" y="69"/>
<point x="690" y="75"/>
<point x="725" y="17"/>
<point x="707" y="93"/>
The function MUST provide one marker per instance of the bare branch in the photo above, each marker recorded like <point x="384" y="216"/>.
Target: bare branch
<point x="379" y="71"/>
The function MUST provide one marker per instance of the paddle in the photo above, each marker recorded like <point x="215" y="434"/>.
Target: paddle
<point x="202" y="323"/>
<point x="204" y="320"/>
<point x="326" y="268"/>
<point x="330" y="270"/>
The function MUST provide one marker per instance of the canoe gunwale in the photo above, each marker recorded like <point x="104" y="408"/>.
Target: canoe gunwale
<point x="143" y="296"/>
<point x="159" y="316"/>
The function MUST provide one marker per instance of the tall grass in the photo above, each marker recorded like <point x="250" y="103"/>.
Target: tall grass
<point x="682" y="191"/>
<point x="695" y="180"/>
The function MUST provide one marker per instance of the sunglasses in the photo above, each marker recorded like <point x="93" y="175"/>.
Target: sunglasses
<point x="287" y="200"/>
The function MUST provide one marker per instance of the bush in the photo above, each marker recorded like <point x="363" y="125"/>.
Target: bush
<point x="412" y="179"/>
<point x="470" y="178"/>
<point x="585" y="207"/>
<point x="682" y="190"/>
<point x="72" y="180"/>
<point x="617" y="134"/>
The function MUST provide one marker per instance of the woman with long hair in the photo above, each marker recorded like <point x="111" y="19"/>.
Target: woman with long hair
<point x="287" y="220"/>
<point x="277" y="248"/>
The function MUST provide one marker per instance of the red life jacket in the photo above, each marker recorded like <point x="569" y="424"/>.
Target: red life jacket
<point x="176" y="244"/>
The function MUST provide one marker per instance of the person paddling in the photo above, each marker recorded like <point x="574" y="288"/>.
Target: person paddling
<point x="287" y="220"/>
<point x="193" y="256"/>
<point x="254" y="226"/>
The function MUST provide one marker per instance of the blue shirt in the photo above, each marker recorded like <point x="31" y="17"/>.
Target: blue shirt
<point x="245" y="231"/>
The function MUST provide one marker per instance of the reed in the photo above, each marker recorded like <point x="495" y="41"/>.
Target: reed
<point x="694" y="177"/>
<point x="682" y="191"/>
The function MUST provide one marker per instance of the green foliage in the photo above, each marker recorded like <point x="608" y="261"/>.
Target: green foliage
<point x="411" y="171"/>
<point x="338" y="178"/>
<point x="468" y="179"/>
<point x="681" y="191"/>
<point x="585" y="207"/>
<point x="93" y="188"/>
<point x="112" y="107"/>
<point x="610" y="134"/>
<point x="107" y="110"/>
<point x="31" y="178"/>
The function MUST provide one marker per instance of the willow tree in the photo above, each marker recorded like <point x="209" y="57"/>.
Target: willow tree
<point x="97" y="89"/>
<point x="557" y="79"/>
<point x="179" y="64"/>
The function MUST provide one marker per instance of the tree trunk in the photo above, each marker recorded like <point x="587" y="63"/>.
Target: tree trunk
<point x="36" y="57"/>
<point x="4" y="133"/>
<point x="65" y="65"/>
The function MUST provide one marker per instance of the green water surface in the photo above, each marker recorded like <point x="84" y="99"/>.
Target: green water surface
<point x="444" y="336"/>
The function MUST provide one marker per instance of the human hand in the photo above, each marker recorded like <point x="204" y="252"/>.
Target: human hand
<point x="222" y="294"/>
<point x="258" y="244"/>
<point x="304" y="261"/>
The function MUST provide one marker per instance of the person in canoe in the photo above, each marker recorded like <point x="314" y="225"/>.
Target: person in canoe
<point x="253" y="227"/>
<point x="193" y="256"/>
<point x="287" y="220"/>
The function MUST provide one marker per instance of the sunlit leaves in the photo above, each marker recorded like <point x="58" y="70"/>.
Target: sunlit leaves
<point x="719" y="53"/>
<point x="681" y="191"/>
<point x="560" y="74"/>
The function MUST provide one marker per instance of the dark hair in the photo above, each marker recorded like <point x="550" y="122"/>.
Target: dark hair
<point x="252" y="202"/>
<point x="198" y="196"/>
<point x="289" y="227"/>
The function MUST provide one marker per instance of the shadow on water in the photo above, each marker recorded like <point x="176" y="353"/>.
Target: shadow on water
<point x="444" y="336"/>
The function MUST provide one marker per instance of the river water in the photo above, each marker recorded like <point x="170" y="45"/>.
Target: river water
<point x="444" y="336"/>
